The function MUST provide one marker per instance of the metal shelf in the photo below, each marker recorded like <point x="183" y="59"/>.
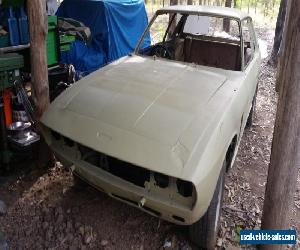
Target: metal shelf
<point x="14" y="48"/>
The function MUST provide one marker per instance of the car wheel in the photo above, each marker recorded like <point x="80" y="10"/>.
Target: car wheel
<point x="203" y="233"/>
<point x="250" y="118"/>
<point x="252" y="111"/>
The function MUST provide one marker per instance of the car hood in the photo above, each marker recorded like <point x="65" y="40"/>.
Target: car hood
<point x="139" y="110"/>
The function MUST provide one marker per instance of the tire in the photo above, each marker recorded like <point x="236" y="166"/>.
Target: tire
<point x="252" y="111"/>
<point x="203" y="233"/>
<point x="250" y="117"/>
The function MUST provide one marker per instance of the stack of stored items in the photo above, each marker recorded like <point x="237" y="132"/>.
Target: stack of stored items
<point x="14" y="26"/>
<point x="4" y="40"/>
<point x="16" y="119"/>
<point x="58" y="41"/>
<point x="18" y="136"/>
<point x="16" y="128"/>
<point x="52" y="42"/>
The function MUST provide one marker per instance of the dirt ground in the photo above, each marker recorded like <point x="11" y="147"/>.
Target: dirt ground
<point x="47" y="211"/>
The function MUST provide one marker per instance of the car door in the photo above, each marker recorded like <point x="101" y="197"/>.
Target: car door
<point x="250" y="59"/>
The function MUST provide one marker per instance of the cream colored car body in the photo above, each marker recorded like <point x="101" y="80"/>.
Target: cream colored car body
<point x="174" y="118"/>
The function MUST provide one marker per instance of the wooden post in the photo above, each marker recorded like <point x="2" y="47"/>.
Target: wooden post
<point x="285" y="156"/>
<point x="38" y="27"/>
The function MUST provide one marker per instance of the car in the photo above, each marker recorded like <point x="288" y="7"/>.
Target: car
<point x="158" y="129"/>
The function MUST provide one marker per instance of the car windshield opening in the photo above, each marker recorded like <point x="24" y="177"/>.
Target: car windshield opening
<point x="203" y="40"/>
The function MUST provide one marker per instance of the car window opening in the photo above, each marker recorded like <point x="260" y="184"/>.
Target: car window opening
<point x="202" y="40"/>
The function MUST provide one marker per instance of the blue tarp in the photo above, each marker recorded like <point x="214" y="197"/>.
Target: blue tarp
<point x="116" y="26"/>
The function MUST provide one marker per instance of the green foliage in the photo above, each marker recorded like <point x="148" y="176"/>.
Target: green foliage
<point x="264" y="12"/>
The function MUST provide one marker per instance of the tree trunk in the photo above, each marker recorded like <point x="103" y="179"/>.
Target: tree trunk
<point x="152" y="9"/>
<point x="278" y="33"/>
<point x="273" y="8"/>
<point x="226" y="21"/>
<point x="285" y="157"/>
<point x="173" y="2"/>
<point x="228" y="3"/>
<point x="190" y="2"/>
<point x="173" y="25"/>
<point x="266" y="8"/>
<point x="248" y="6"/>
<point x="38" y="27"/>
<point x="256" y="6"/>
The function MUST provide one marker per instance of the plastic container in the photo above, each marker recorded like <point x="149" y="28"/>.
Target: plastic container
<point x="4" y="41"/>
<point x="10" y="65"/>
<point x="13" y="28"/>
<point x="66" y="41"/>
<point x="7" y="106"/>
<point x="13" y="3"/>
<point x="23" y="27"/>
<point x="52" y="41"/>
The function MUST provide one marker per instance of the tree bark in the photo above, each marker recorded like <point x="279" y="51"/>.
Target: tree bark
<point x="173" y="25"/>
<point x="281" y="52"/>
<point x="285" y="156"/>
<point x="38" y="28"/>
<point x="228" y="3"/>
<point x="248" y="6"/>
<point x="226" y="21"/>
<point x="278" y="33"/>
<point x="235" y="3"/>
<point x="190" y="2"/>
<point x="256" y="6"/>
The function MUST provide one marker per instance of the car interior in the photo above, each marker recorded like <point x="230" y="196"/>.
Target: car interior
<point x="201" y="49"/>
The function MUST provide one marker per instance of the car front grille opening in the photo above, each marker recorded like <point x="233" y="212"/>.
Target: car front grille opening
<point x="124" y="170"/>
<point x="185" y="188"/>
<point x="136" y="175"/>
<point x="128" y="172"/>
<point x="161" y="180"/>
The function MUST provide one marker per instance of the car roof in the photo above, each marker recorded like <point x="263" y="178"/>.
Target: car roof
<point x="205" y="10"/>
